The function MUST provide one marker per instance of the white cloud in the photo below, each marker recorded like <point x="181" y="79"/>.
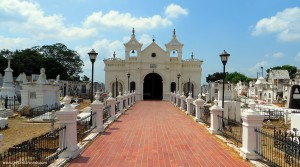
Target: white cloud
<point x="297" y="57"/>
<point x="257" y="66"/>
<point x="33" y="21"/>
<point x="174" y="11"/>
<point x="286" y="24"/>
<point x="276" y="55"/>
<point x="105" y="49"/>
<point x="125" y="20"/>
<point x="15" y="43"/>
<point x="146" y="40"/>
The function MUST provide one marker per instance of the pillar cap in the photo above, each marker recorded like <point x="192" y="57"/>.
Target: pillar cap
<point x="110" y="98"/>
<point x="182" y="95"/>
<point x="215" y="106"/>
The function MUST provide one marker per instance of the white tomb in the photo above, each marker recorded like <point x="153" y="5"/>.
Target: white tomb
<point x="40" y="92"/>
<point x="295" y="121"/>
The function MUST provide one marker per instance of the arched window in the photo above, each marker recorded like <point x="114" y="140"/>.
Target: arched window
<point x="173" y="87"/>
<point x="188" y="87"/>
<point x="173" y="53"/>
<point x="116" y="88"/>
<point x="132" y="86"/>
<point x="133" y="52"/>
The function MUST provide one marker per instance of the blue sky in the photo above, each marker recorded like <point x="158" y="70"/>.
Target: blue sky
<point x="255" y="32"/>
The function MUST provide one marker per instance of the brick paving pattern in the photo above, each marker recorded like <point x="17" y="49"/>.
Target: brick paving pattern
<point x="157" y="134"/>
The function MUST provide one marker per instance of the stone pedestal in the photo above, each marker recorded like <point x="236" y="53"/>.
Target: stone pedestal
<point x="251" y="120"/>
<point x="120" y="100"/>
<point x="199" y="104"/>
<point x="177" y="99"/>
<point x="189" y="100"/>
<point x="97" y="106"/>
<point x="215" y="111"/>
<point x="112" y="102"/>
<point x="67" y="117"/>
<point x="182" y="98"/>
<point x="134" y="96"/>
<point x="131" y="98"/>
<point x="125" y="98"/>
<point x="174" y="98"/>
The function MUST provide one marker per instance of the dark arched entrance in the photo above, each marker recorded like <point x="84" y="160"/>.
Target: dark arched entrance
<point x="153" y="87"/>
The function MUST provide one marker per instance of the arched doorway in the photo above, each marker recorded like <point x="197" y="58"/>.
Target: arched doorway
<point x="153" y="87"/>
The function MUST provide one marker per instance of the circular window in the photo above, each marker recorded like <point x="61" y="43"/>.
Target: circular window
<point x="153" y="54"/>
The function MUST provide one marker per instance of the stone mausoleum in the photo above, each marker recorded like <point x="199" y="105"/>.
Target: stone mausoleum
<point x="153" y="72"/>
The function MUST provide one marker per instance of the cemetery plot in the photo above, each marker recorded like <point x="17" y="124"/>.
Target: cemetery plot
<point x="280" y="148"/>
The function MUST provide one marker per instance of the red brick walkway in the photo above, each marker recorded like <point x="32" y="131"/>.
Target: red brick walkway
<point x="156" y="134"/>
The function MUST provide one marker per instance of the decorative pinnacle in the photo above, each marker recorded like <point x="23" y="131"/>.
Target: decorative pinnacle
<point x="67" y="100"/>
<point x="216" y="102"/>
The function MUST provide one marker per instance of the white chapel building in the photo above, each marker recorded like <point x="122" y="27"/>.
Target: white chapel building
<point x="153" y="73"/>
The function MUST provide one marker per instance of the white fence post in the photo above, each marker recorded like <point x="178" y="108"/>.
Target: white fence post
<point x="198" y="104"/>
<point x="182" y="98"/>
<point x="125" y="97"/>
<point x="112" y="102"/>
<point x="189" y="100"/>
<point x="215" y="112"/>
<point x="251" y="121"/>
<point x="67" y="117"/>
<point x="97" y="106"/>
<point x="120" y="100"/>
<point x="177" y="99"/>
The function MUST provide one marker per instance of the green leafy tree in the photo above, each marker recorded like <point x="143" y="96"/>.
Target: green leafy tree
<point x="28" y="61"/>
<point x="53" y="68"/>
<point x="234" y="77"/>
<point x="292" y="70"/>
<point x="3" y="60"/>
<point x="68" y="58"/>
<point x="85" y="78"/>
<point x="214" y="77"/>
<point x="56" y="59"/>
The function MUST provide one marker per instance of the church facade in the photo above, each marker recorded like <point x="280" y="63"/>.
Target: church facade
<point x="153" y="72"/>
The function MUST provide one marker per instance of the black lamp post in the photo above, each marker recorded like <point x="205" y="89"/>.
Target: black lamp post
<point x="224" y="58"/>
<point x="93" y="56"/>
<point x="128" y="76"/>
<point x="178" y="77"/>
<point x="262" y="71"/>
